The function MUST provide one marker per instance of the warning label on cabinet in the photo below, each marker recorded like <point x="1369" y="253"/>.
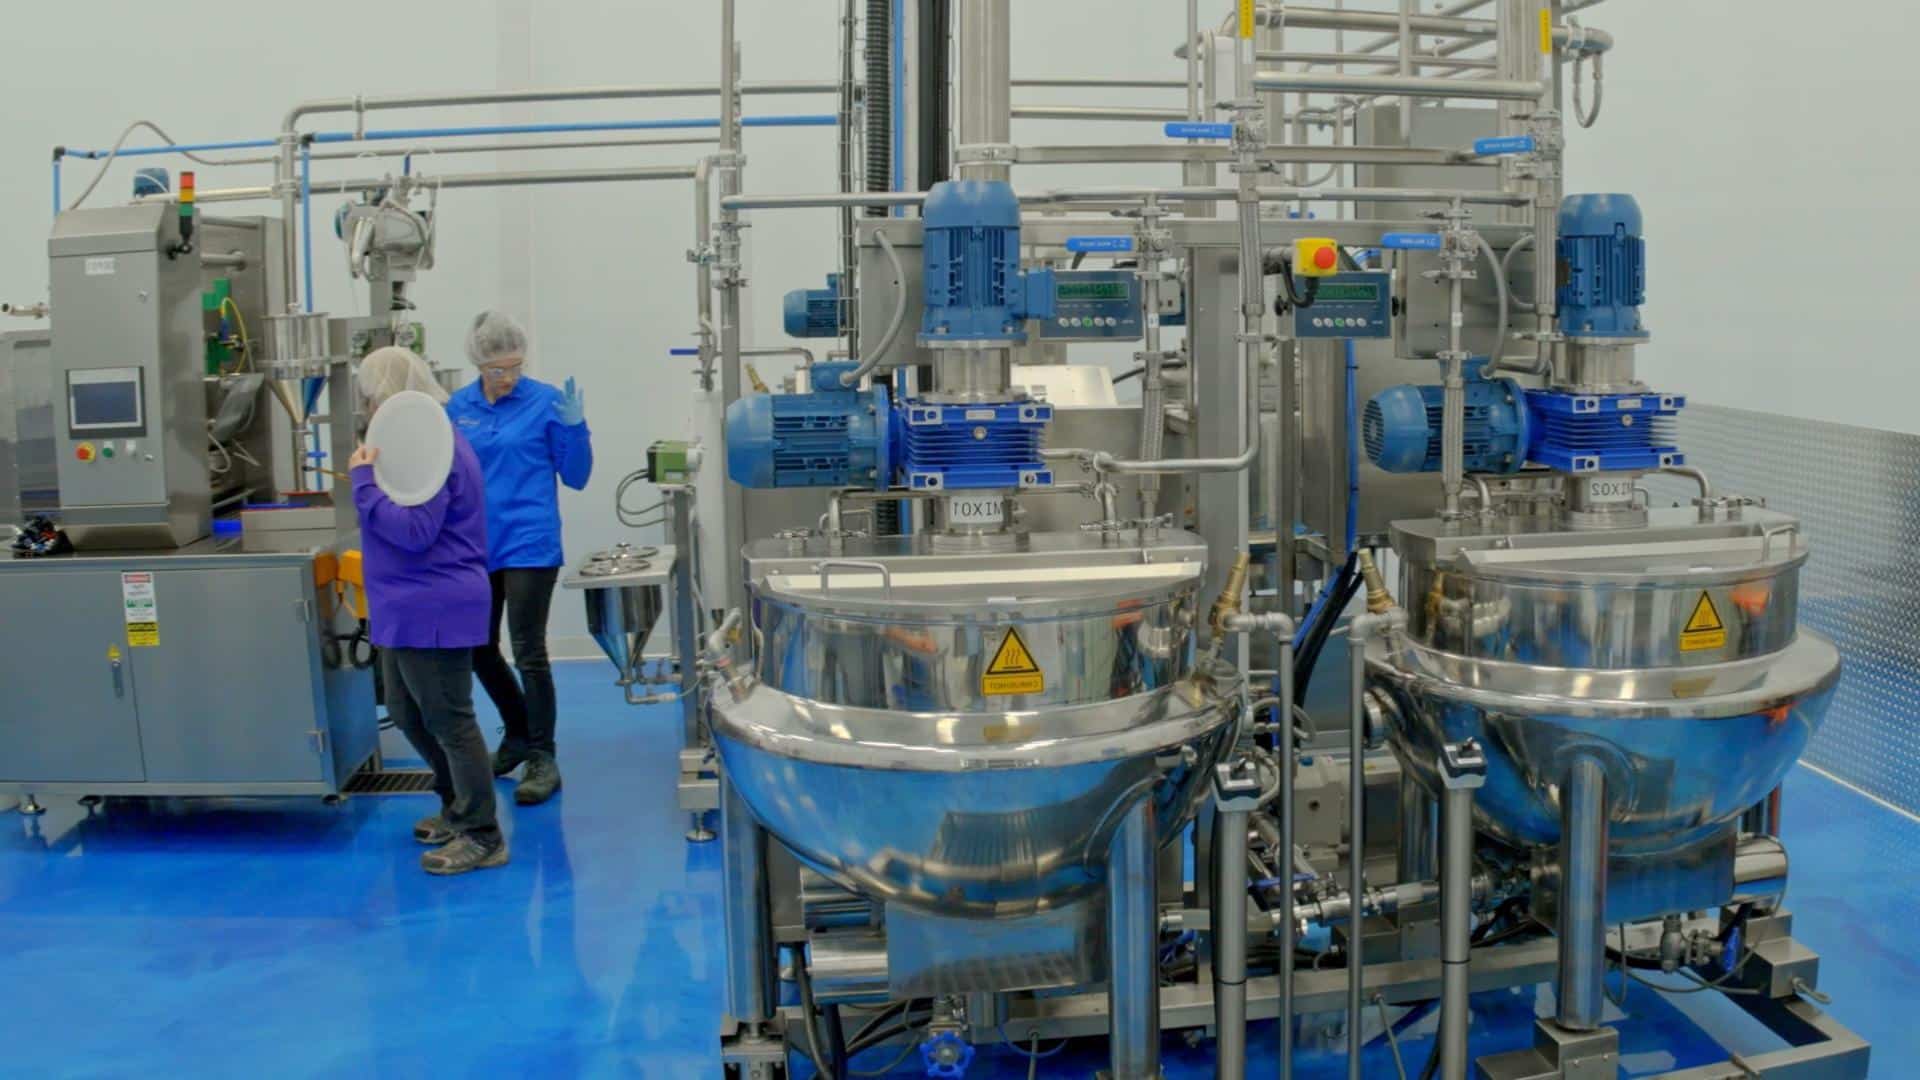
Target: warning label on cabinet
<point x="142" y="610"/>
<point x="1013" y="670"/>
<point x="1705" y="629"/>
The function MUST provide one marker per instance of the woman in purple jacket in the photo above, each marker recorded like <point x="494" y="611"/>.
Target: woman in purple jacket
<point x="428" y="601"/>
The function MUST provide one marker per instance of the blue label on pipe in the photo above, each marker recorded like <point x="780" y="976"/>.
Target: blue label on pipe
<point x="1099" y="243"/>
<point x="1411" y="241"/>
<point x="1190" y="130"/>
<point x="683" y="352"/>
<point x="1506" y="144"/>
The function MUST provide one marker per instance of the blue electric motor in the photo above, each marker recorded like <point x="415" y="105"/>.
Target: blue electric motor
<point x="1603" y="267"/>
<point x="833" y="437"/>
<point x="975" y="290"/>
<point x="1402" y="425"/>
<point x="814" y="313"/>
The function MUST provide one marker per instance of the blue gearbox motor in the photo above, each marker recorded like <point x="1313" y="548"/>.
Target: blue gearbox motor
<point x="814" y="313"/>
<point x="975" y="290"/>
<point x="1603" y="267"/>
<point x="1402" y="425"/>
<point x="833" y="437"/>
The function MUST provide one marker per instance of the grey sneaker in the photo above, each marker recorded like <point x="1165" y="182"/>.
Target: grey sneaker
<point x="433" y="831"/>
<point x="464" y="853"/>
<point x="508" y="758"/>
<point x="539" y="782"/>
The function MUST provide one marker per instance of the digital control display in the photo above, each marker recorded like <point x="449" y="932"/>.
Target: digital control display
<point x="1090" y="290"/>
<point x="105" y="399"/>
<point x="1340" y="291"/>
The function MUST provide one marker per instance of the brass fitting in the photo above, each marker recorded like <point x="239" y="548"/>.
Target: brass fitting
<point x="1228" y="605"/>
<point x="1379" y="600"/>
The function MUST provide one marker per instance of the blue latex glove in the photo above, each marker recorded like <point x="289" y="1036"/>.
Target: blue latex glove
<point x="573" y="407"/>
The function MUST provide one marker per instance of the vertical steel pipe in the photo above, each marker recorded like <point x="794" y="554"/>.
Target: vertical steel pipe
<point x="985" y="75"/>
<point x="1133" y="924"/>
<point x="1230" y="943"/>
<point x="1418" y="858"/>
<point x="1456" y="928"/>
<point x="746" y="911"/>
<point x="1583" y="894"/>
<point x="1283" y="859"/>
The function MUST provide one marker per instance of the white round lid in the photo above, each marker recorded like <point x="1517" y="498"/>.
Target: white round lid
<point x="415" y="440"/>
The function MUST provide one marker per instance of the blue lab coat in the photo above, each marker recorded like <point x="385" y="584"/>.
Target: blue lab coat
<point x="523" y="448"/>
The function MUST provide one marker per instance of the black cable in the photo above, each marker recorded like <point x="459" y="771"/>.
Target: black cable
<point x="884" y="1034"/>
<point x="1432" y="1066"/>
<point x="1293" y="297"/>
<point x="834" y="1067"/>
<point x="836" y="1040"/>
<point x="1348" y="585"/>
<point x="1078" y="258"/>
<point x="1134" y="373"/>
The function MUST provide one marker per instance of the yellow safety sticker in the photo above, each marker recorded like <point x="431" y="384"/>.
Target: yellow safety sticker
<point x="142" y="610"/>
<point x="1546" y="29"/>
<point x="1705" y="629"/>
<point x="1246" y="18"/>
<point x="1013" y="670"/>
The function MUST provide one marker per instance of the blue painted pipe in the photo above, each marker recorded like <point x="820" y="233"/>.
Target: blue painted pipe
<point x="56" y="187"/>
<point x="148" y="151"/>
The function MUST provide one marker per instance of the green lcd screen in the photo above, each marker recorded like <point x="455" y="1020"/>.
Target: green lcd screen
<point x="1349" y="292"/>
<point x="1090" y="290"/>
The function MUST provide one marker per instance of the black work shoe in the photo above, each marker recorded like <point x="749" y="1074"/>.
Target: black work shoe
<point x="433" y="831"/>
<point x="464" y="853"/>
<point x="539" y="782"/>
<point x="508" y="758"/>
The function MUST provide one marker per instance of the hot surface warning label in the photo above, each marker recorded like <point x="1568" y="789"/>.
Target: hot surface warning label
<point x="1705" y="629"/>
<point x="1013" y="670"/>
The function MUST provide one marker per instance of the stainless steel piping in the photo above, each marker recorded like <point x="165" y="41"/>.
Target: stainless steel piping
<point x="1095" y="112"/>
<point x="451" y="181"/>
<point x="1403" y="85"/>
<point x="1282" y="627"/>
<point x="984" y="30"/>
<point x="1361" y="629"/>
<point x="1583" y="891"/>
<point x="1462" y="771"/>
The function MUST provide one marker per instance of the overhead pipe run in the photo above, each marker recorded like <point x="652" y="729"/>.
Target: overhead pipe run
<point x="1402" y="85"/>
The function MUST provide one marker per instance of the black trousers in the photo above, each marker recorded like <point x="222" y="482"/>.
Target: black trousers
<point x="526" y="703"/>
<point x="429" y="696"/>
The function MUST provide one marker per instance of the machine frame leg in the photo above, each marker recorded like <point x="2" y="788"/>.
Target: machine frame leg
<point x="1133" y="925"/>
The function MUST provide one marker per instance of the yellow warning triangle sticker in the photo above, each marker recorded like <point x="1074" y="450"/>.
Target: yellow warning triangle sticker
<point x="1013" y="670"/>
<point x="1705" y="629"/>
<point x="1706" y="618"/>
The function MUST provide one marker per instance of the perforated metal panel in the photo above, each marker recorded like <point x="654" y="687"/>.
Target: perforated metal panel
<point x="1857" y="494"/>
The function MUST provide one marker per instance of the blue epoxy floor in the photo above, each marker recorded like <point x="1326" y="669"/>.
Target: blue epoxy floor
<point x="188" y="938"/>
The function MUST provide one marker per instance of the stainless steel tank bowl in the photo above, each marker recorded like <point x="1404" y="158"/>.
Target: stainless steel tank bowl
<point x="1686" y="750"/>
<point x="978" y="814"/>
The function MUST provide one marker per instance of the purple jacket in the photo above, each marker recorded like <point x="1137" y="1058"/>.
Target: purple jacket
<point x="426" y="565"/>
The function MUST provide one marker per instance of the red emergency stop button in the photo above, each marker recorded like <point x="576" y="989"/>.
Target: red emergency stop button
<point x="84" y="451"/>
<point x="1315" y="257"/>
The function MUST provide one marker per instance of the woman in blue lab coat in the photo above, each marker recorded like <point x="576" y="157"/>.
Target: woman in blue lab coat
<point x="530" y="437"/>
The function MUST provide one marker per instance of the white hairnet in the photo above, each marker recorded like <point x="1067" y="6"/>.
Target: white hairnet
<point x="495" y="336"/>
<point x="386" y="372"/>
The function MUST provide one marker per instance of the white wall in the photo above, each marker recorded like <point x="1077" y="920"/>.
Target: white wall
<point x="1770" y="145"/>
<point x="1733" y="126"/>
